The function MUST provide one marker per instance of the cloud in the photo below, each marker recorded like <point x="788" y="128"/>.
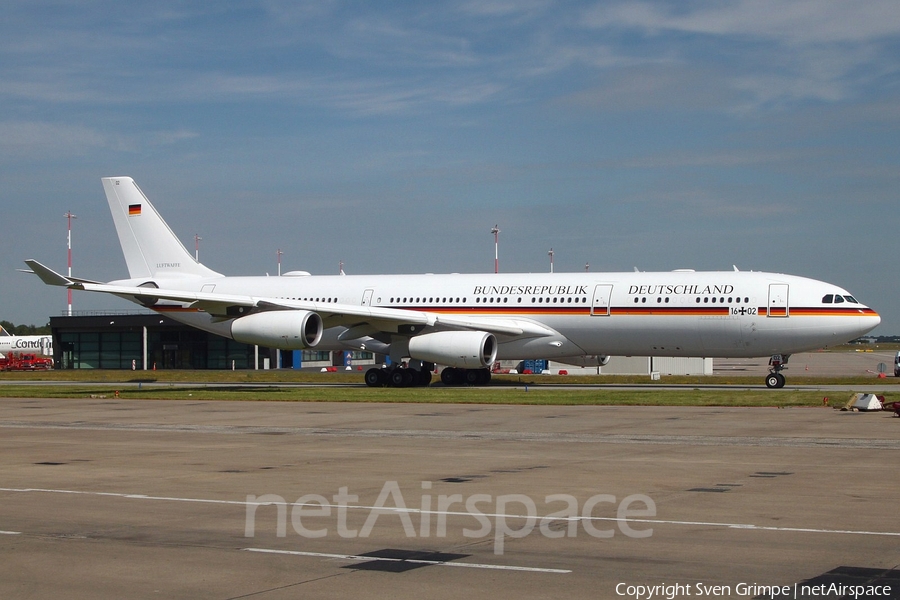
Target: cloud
<point x="775" y="53"/>
<point x="787" y="21"/>
<point x="670" y="86"/>
<point x="42" y="140"/>
<point x="45" y="140"/>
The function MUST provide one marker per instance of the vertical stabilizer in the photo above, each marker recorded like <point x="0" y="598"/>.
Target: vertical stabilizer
<point x="151" y="248"/>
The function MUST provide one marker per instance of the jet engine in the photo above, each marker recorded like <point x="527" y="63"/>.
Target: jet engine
<point x="282" y="329"/>
<point x="462" y="349"/>
<point x="587" y="360"/>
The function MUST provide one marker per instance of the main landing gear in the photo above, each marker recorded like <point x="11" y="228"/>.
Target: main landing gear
<point x="455" y="376"/>
<point x="398" y="376"/>
<point x="777" y="363"/>
<point x="395" y="376"/>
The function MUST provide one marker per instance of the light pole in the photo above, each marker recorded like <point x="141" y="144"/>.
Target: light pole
<point x="587" y="267"/>
<point x="197" y="239"/>
<point x="496" y="231"/>
<point x="551" y="259"/>
<point x="69" y="216"/>
<point x="279" y="253"/>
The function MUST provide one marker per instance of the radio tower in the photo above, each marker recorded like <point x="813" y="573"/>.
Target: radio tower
<point x="69" y="216"/>
<point x="496" y="231"/>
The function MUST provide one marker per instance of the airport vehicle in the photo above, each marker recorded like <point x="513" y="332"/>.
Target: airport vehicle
<point x="466" y="322"/>
<point x="15" y="361"/>
<point x="42" y="344"/>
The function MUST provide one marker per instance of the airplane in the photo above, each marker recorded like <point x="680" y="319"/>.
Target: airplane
<point x="41" y="344"/>
<point x="466" y="322"/>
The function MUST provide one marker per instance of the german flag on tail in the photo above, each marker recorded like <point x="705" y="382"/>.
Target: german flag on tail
<point x="134" y="210"/>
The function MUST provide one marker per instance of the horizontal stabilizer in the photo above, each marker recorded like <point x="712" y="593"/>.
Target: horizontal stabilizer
<point x="47" y="275"/>
<point x="54" y="277"/>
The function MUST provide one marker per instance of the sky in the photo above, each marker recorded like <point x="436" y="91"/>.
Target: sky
<point x="762" y="134"/>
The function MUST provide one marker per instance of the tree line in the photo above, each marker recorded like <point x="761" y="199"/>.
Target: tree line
<point x="25" y="329"/>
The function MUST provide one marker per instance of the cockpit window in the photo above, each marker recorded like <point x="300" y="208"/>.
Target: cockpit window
<point x="838" y="299"/>
<point x="828" y="299"/>
<point x="851" y="299"/>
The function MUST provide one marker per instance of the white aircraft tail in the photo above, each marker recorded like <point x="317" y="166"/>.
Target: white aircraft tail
<point x="151" y="248"/>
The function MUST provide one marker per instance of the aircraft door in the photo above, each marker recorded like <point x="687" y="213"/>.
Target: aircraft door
<point x="367" y="297"/>
<point x="600" y="302"/>
<point x="778" y="300"/>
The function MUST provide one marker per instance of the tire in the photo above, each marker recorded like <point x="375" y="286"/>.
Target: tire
<point x="772" y="380"/>
<point x="397" y="378"/>
<point x="424" y="379"/>
<point x="472" y="376"/>
<point x="450" y="376"/>
<point x="374" y="378"/>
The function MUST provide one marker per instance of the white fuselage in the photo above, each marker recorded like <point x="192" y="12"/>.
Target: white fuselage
<point x="680" y="313"/>
<point x="36" y="344"/>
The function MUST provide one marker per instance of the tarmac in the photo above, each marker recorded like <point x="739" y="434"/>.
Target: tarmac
<point x="108" y="498"/>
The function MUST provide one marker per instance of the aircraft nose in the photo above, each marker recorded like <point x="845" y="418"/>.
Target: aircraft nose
<point x="869" y="321"/>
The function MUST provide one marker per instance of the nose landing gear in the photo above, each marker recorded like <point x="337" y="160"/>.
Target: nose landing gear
<point x="777" y="363"/>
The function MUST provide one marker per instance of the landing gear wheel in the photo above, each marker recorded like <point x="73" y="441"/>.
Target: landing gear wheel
<point x="484" y="376"/>
<point x="397" y="378"/>
<point x="374" y="378"/>
<point x="424" y="378"/>
<point x="775" y="381"/>
<point x="450" y="376"/>
<point x="472" y="376"/>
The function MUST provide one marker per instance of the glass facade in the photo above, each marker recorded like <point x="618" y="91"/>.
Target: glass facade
<point x="95" y="350"/>
<point x="104" y="343"/>
<point x="116" y="341"/>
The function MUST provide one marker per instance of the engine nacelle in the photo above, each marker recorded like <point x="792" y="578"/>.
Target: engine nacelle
<point x="282" y="329"/>
<point x="587" y="360"/>
<point x="462" y="349"/>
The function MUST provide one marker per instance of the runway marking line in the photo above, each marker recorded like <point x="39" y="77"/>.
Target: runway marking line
<point x="385" y="509"/>
<point x="10" y="533"/>
<point x="437" y="563"/>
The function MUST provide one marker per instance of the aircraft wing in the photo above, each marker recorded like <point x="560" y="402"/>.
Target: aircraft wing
<point x="362" y="319"/>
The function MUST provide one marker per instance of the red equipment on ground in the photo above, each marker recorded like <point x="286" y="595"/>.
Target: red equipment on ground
<point x="16" y="361"/>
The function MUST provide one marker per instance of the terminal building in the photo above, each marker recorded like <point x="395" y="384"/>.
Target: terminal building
<point x="149" y="341"/>
<point x="145" y="340"/>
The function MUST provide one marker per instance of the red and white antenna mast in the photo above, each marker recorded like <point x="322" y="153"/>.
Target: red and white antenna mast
<point x="69" y="216"/>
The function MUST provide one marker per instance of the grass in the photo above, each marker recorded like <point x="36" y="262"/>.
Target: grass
<point x="288" y="376"/>
<point x="504" y="389"/>
<point x="503" y="393"/>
